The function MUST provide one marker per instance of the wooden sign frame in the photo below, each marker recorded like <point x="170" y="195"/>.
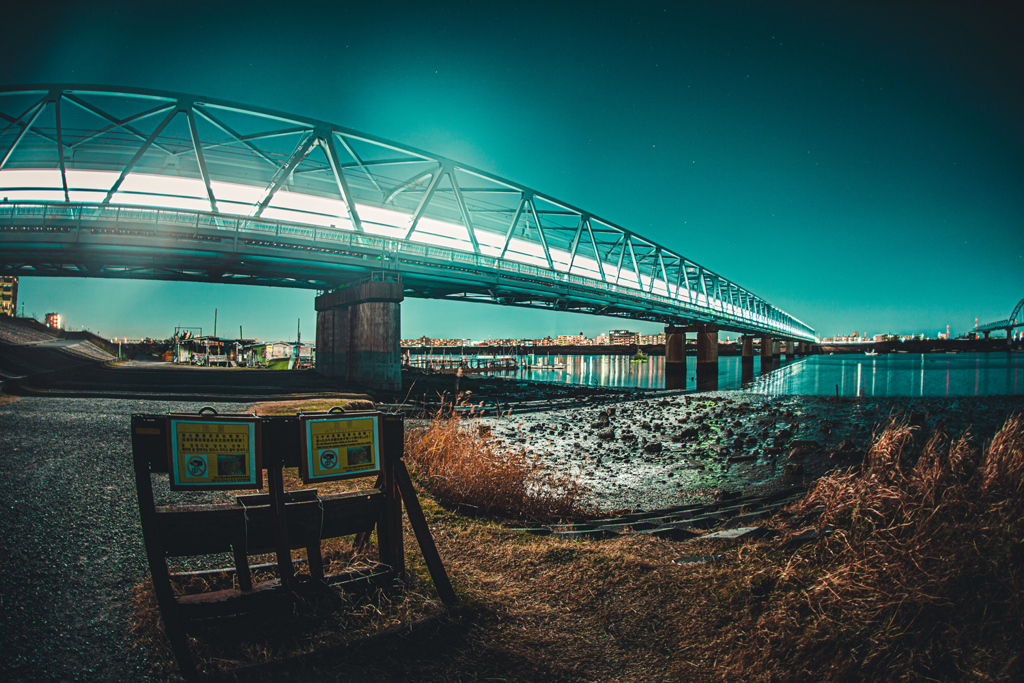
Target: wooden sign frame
<point x="250" y="463"/>
<point x="276" y="521"/>
<point x="357" y="440"/>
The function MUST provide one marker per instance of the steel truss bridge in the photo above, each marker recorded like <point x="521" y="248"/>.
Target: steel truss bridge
<point x="116" y="182"/>
<point x="1015" y="320"/>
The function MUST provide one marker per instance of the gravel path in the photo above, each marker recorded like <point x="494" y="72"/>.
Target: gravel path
<point x="70" y="538"/>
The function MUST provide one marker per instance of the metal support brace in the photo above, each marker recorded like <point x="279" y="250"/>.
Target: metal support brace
<point x="575" y="243"/>
<point x="284" y="172"/>
<point x="21" y="135"/>
<point x="198" y="146"/>
<point x="512" y="225"/>
<point x="339" y="178"/>
<point x="119" y="123"/>
<point x="540" y="230"/>
<point x="139" y="154"/>
<point x="408" y="184"/>
<point x="425" y="200"/>
<point x="597" y="254"/>
<point x="636" y="266"/>
<point x="465" y="211"/>
<point x="60" y="151"/>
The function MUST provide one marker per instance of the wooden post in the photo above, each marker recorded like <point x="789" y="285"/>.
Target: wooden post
<point x="278" y="517"/>
<point x="158" y="570"/>
<point x="361" y="538"/>
<point x="392" y="449"/>
<point x="241" y="565"/>
<point x="426" y="541"/>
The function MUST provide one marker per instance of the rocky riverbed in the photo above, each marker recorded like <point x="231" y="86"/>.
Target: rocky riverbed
<point x="655" y="453"/>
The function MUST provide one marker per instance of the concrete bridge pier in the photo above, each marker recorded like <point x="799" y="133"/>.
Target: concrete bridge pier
<point x="707" y="357"/>
<point x="767" y="354"/>
<point x="747" y="359"/>
<point x="358" y="334"/>
<point x="675" y="357"/>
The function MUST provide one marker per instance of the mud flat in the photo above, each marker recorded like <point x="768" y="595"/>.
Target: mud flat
<point x="654" y="453"/>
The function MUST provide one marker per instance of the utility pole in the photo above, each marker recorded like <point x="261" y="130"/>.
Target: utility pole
<point x="215" y="322"/>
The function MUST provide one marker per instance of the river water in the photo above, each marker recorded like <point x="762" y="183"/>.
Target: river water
<point x="898" y="374"/>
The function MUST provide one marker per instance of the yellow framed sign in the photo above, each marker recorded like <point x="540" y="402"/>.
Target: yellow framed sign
<point x="339" y="446"/>
<point x="212" y="453"/>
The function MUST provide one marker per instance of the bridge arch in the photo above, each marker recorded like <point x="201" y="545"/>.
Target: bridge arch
<point x="1015" y="315"/>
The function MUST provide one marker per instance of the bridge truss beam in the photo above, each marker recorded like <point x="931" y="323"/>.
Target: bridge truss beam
<point x="298" y="200"/>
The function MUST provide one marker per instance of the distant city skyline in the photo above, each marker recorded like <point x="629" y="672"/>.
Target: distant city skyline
<point x="439" y="319"/>
<point x="858" y="165"/>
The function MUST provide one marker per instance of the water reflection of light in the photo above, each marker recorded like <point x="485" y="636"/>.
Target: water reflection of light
<point x="894" y="375"/>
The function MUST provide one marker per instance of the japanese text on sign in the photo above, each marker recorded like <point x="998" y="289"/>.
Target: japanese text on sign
<point x="339" y="447"/>
<point x="213" y="454"/>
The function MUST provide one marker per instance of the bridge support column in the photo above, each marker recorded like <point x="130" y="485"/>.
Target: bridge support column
<point x="675" y="358"/>
<point x="707" y="358"/>
<point x="986" y="333"/>
<point x="358" y="334"/>
<point x="747" y="359"/>
<point x="767" y="354"/>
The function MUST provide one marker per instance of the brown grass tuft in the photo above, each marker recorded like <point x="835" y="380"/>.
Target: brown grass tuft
<point x="921" y="579"/>
<point x="465" y="471"/>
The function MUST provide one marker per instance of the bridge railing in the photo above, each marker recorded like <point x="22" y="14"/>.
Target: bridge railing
<point x="689" y="303"/>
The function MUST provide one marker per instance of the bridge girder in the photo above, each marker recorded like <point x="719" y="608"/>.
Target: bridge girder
<point x="1014" y="320"/>
<point x="259" y="186"/>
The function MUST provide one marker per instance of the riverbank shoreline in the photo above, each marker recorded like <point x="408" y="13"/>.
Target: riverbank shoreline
<point x="726" y="348"/>
<point x="647" y="453"/>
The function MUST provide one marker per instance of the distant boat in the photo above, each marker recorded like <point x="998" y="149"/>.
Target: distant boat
<point x="549" y="366"/>
<point x="871" y="353"/>
<point x="639" y="357"/>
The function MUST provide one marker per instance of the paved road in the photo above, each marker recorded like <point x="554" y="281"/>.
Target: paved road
<point x="70" y="543"/>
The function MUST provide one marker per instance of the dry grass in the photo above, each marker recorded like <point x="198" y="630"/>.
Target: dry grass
<point x="316" y="405"/>
<point x="465" y="470"/>
<point x="921" y="580"/>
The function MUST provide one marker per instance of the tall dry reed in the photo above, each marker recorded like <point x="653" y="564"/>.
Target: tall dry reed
<point x="465" y="470"/>
<point x="921" y="579"/>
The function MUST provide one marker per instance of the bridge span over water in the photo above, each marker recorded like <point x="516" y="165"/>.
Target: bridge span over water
<point x="1014" y="320"/>
<point x="117" y="182"/>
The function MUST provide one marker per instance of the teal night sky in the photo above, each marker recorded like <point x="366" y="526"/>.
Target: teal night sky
<point x="860" y="165"/>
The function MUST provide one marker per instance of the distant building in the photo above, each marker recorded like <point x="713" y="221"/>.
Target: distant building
<point x="9" y="295"/>
<point x="570" y="339"/>
<point x="623" y="337"/>
<point x="651" y="339"/>
<point x="55" y="320"/>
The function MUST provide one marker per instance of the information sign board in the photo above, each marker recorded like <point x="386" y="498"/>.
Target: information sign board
<point x="210" y="453"/>
<point x="336" y="446"/>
